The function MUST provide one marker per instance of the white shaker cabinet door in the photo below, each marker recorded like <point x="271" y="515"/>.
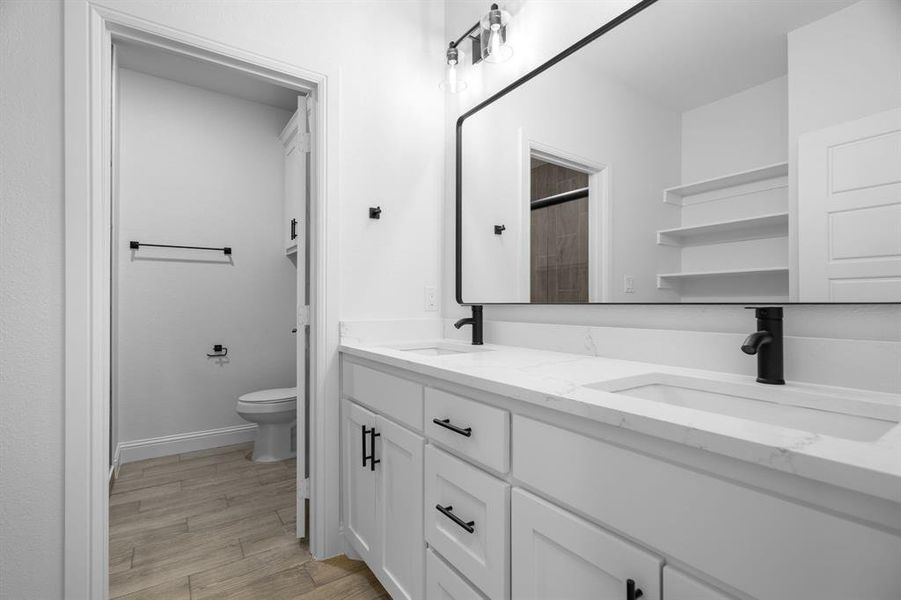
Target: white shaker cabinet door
<point x="559" y="555"/>
<point x="679" y="586"/>
<point x="401" y="546"/>
<point x="360" y="518"/>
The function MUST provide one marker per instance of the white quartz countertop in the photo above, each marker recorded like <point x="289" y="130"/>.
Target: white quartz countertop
<point x="557" y="381"/>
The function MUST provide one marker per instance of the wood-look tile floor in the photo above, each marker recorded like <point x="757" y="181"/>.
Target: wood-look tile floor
<point x="213" y="524"/>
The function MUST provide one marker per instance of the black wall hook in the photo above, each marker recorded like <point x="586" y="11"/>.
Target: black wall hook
<point x="219" y="350"/>
<point x="499" y="229"/>
<point x="375" y="212"/>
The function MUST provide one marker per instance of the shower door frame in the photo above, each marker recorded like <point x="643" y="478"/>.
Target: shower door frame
<point x="89" y="31"/>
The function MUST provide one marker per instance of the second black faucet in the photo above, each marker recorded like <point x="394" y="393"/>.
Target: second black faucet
<point x="476" y="321"/>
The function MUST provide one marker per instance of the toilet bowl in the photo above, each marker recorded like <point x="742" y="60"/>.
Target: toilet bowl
<point x="275" y="413"/>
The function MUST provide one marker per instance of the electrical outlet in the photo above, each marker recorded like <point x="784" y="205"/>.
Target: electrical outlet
<point x="628" y="284"/>
<point x="431" y="299"/>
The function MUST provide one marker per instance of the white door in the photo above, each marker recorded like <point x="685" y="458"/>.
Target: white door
<point x="297" y="198"/>
<point x="558" y="555"/>
<point x="401" y="546"/>
<point x="360" y="519"/>
<point x="296" y="142"/>
<point x="849" y="211"/>
<point x="679" y="586"/>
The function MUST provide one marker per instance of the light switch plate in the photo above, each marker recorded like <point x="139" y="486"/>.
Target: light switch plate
<point x="628" y="284"/>
<point x="431" y="298"/>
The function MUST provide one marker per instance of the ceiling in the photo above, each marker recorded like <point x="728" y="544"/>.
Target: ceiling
<point x="199" y="73"/>
<point x="687" y="53"/>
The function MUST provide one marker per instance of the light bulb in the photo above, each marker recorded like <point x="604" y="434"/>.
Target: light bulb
<point x="495" y="48"/>
<point x="453" y="83"/>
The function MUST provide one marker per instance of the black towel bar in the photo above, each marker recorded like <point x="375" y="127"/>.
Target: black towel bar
<point x="136" y="245"/>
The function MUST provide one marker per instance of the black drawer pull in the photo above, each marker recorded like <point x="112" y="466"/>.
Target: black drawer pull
<point x="293" y="229"/>
<point x="447" y="511"/>
<point x="447" y="425"/>
<point x="633" y="592"/>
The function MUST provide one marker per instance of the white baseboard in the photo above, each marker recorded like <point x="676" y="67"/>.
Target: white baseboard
<point x="167" y="445"/>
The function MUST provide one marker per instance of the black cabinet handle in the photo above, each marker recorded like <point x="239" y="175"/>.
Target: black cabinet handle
<point x="373" y="461"/>
<point x="447" y="511"/>
<point x="363" y="444"/>
<point x="632" y="592"/>
<point x="371" y="457"/>
<point x="467" y="431"/>
<point x="293" y="229"/>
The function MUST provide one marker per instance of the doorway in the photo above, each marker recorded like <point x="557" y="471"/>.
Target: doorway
<point x="91" y="32"/>
<point x="209" y="308"/>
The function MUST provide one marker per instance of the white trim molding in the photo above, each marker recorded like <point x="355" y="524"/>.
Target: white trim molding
<point x="600" y="214"/>
<point x="89" y="31"/>
<point x="179" y="443"/>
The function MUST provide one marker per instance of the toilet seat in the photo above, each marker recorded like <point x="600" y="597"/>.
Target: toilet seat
<point x="268" y="401"/>
<point x="273" y="395"/>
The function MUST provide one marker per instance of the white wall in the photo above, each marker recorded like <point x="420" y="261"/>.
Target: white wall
<point x="542" y="29"/>
<point x="841" y="68"/>
<point x="389" y="153"/>
<point x="31" y="303"/>
<point x="198" y="168"/>
<point x="737" y="133"/>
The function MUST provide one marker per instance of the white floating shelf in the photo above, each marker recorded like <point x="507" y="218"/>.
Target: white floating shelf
<point x="666" y="280"/>
<point x="676" y="195"/>
<point x="750" y="228"/>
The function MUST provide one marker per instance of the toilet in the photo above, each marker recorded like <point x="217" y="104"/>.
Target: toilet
<point x="275" y="413"/>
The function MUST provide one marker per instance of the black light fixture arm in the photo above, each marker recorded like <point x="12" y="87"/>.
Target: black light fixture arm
<point x="467" y="34"/>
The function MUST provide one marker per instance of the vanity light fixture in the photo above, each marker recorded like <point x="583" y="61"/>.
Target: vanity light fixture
<point x="494" y="46"/>
<point x="488" y="39"/>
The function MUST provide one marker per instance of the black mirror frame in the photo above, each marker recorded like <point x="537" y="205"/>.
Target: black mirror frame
<point x="619" y="20"/>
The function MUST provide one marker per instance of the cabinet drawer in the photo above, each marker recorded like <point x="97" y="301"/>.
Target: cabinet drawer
<point x="731" y="532"/>
<point x="467" y="520"/>
<point x="488" y="428"/>
<point x="559" y="555"/>
<point x="393" y="396"/>
<point x="443" y="583"/>
<point x="679" y="586"/>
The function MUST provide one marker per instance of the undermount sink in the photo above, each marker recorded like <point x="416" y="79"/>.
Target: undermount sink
<point x="433" y="349"/>
<point x="838" y="416"/>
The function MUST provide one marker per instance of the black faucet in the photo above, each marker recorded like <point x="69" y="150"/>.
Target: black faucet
<point x="476" y="321"/>
<point x="766" y="343"/>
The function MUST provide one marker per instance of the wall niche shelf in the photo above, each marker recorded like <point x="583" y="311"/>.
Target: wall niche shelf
<point x="735" y="230"/>
<point x="677" y="195"/>
<point x="667" y="280"/>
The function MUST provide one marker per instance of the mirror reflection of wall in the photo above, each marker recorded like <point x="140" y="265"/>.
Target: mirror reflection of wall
<point x="750" y="151"/>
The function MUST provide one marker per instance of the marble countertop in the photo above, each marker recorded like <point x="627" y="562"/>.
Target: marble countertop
<point x="557" y="381"/>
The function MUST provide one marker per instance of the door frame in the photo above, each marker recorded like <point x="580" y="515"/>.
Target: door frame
<point x="600" y="215"/>
<point x="89" y="31"/>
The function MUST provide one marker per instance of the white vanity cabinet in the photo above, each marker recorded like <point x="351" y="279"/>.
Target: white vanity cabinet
<point x="383" y="505"/>
<point x="467" y="520"/>
<point x="503" y="500"/>
<point x="360" y="522"/>
<point x="296" y="144"/>
<point x="559" y="555"/>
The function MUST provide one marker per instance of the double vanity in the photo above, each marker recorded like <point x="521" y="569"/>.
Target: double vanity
<point x="502" y="472"/>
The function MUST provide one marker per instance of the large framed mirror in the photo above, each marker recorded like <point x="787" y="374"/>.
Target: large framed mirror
<point x="693" y="151"/>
